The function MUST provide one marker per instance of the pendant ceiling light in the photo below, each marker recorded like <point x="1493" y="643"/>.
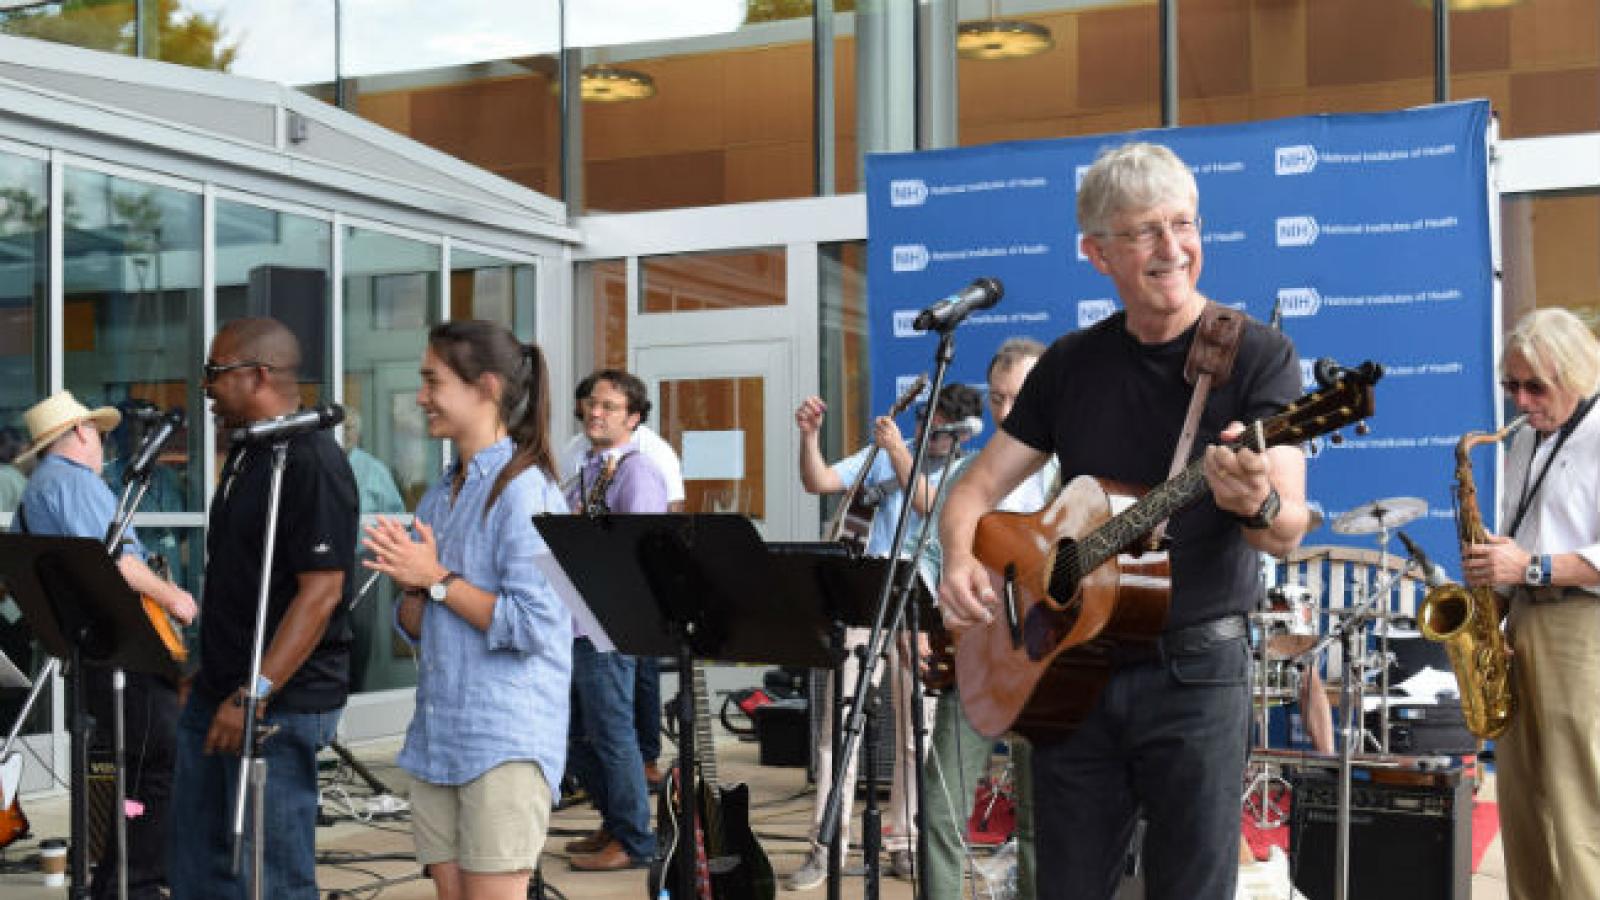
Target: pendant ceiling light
<point x="997" y="38"/>
<point x="610" y="84"/>
<point x="1472" y="5"/>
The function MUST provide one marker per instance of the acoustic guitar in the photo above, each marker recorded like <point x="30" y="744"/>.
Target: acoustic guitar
<point x="1074" y="582"/>
<point x="852" y="525"/>
<point x="729" y="861"/>
<point x="166" y="627"/>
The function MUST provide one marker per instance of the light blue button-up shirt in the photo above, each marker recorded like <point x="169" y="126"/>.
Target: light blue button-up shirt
<point x="487" y="698"/>
<point x="64" y="497"/>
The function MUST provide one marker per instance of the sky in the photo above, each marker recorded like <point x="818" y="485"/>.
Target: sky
<point x="291" y="41"/>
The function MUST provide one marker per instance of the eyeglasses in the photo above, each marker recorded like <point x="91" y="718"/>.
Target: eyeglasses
<point x="1535" y="387"/>
<point x="1147" y="235"/>
<point x="214" y="370"/>
<point x="606" y="406"/>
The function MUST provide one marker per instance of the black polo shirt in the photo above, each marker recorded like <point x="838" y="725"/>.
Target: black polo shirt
<point x="1109" y="406"/>
<point x="318" y="516"/>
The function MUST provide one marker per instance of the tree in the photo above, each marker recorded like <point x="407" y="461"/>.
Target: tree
<point x="181" y="36"/>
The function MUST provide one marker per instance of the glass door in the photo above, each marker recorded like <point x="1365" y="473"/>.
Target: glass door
<point x="724" y="408"/>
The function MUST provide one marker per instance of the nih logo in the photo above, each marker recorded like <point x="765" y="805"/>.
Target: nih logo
<point x="908" y="192"/>
<point x="1092" y="311"/>
<point x="1297" y="231"/>
<point x="909" y="258"/>
<point x="902" y="383"/>
<point x="1299" y="302"/>
<point x="1300" y="159"/>
<point x="902" y="323"/>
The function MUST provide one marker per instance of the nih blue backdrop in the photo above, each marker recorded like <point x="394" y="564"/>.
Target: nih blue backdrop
<point x="1372" y="231"/>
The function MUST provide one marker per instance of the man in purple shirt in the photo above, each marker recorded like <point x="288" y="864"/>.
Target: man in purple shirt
<point x="605" y="757"/>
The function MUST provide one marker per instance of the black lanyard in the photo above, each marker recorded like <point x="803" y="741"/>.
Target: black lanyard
<point x="1530" y="491"/>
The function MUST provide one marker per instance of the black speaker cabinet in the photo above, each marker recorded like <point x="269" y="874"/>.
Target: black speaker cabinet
<point x="817" y="689"/>
<point x="1408" y="841"/>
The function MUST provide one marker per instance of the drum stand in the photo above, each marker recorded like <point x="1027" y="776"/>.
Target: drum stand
<point x="1267" y="781"/>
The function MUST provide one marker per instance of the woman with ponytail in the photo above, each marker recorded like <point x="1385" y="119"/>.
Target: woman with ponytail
<point x="494" y="642"/>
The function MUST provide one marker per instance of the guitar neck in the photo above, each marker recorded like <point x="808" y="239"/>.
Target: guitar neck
<point x="1137" y="520"/>
<point x="705" y="750"/>
<point x="847" y="502"/>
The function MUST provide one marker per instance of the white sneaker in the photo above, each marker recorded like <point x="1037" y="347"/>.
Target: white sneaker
<point x="812" y="872"/>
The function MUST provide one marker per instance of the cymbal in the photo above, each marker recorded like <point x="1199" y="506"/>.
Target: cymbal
<point x="1371" y="518"/>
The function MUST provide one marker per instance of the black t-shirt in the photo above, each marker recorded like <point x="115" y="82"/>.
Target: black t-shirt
<point x="1109" y="406"/>
<point x="317" y="521"/>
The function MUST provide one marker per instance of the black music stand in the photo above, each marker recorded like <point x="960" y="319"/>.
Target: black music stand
<point x="714" y="592"/>
<point x="81" y="610"/>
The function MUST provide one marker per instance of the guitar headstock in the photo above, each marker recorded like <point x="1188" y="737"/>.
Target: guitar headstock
<point x="918" y="385"/>
<point x="1347" y="400"/>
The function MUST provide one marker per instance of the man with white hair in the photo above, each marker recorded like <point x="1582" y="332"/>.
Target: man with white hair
<point x="1165" y="738"/>
<point x="1548" y="563"/>
<point x="66" y="496"/>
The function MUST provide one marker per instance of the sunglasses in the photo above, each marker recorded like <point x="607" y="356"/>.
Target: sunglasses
<point x="214" y="370"/>
<point x="1534" y="387"/>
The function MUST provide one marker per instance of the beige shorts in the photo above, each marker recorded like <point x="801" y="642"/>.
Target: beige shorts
<point x="496" y="823"/>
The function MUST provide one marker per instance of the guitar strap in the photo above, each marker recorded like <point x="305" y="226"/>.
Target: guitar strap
<point x="1210" y="364"/>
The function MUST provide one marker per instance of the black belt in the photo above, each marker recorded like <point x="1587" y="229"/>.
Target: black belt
<point x="1191" y="640"/>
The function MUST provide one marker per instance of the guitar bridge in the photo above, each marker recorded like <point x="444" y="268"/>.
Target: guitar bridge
<point x="1013" y="612"/>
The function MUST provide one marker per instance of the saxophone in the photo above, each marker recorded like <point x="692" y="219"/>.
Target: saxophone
<point x="1467" y="620"/>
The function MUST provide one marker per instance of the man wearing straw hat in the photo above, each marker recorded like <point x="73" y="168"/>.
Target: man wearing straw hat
<point x="66" y="496"/>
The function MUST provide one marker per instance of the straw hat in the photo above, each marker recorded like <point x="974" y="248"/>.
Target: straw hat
<point x="51" y="417"/>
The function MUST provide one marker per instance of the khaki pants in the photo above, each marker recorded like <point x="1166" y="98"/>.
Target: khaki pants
<point x="1548" y="761"/>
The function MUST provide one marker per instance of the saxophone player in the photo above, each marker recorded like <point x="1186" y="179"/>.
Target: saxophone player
<point x="1547" y="563"/>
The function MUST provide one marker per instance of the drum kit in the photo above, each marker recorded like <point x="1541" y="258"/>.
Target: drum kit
<point x="1288" y="642"/>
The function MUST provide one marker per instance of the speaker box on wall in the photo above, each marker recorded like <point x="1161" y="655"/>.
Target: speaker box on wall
<point x="1407" y="841"/>
<point x="299" y="299"/>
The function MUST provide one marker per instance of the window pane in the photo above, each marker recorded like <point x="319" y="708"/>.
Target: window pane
<point x="719" y="407"/>
<point x="391" y="299"/>
<point x="842" y="337"/>
<point x="279" y="265"/>
<point x="708" y="281"/>
<point x="603" y="311"/>
<point x="1549" y="246"/>
<point x="488" y="287"/>
<point x="24" y="272"/>
<point x="131" y="320"/>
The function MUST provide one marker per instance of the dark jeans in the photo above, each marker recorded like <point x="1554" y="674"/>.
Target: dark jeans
<point x="1167" y="740"/>
<point x="150" y="733"/>
<point x="647" y="706"/>
<point x="605" y="756"/>
<point x="200" y="861"/>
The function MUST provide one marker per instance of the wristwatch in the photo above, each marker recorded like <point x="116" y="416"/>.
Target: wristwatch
<point x="1540" y="571"/>
<point x="437" y="591"/>
<point x="1264" y="516"/>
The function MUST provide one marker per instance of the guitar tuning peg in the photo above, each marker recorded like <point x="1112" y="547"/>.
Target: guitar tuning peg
<point x="1336" y="438"/>
<point x="1363" y="429"/>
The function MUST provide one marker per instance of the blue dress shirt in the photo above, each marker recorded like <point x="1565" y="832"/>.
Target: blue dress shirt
<point x="489" y="697"/>
<point x="65" y="498"/>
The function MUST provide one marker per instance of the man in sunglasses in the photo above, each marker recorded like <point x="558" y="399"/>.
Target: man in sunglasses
<point x="1548" y="564"/>
<point x="305" y="665"/>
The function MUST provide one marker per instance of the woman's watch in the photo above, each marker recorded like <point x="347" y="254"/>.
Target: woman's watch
<point x="440" y="588"/>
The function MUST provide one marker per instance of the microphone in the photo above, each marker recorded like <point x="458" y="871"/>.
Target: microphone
<point x="284" y="427"/>
<point x="146" y="414"/>
<point x="1327" y="371"/>
<point x="971" y="426"/>
<point x="1431" y="573"/>
<point x="145" y="457"/>
<point x="949" y="312"/>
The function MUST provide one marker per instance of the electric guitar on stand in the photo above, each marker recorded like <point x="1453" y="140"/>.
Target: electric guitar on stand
<point x="852" y="524"/>
<point x="729" y="862"/>
<point x="1074" y="579"/>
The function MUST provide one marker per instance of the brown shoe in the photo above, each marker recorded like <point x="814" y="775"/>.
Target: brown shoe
<point x="652" y="776"/>
<point x="610" y="858"/>
<point x="596" y="840"/>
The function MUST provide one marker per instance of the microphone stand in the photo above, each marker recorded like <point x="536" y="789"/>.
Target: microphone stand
<point x="1351" y="726"/>
<point x="133" y="493"/>
<point x="890" y="612"/>
<point x="253" y="766"/>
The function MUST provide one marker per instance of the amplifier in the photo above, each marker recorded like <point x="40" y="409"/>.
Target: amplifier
<point x="1426" y="728"/>
<point x="1410" y="834"/>
<point x="817" y="690"/>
